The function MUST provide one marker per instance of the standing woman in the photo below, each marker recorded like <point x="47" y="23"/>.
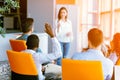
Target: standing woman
<point x="63" y="32"/>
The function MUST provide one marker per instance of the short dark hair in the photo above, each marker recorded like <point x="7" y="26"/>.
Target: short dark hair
<point x="95" y="36"/>
<point x="32" y="41"/>
<point x="27" y="25"/>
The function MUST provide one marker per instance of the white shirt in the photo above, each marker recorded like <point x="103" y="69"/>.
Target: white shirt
<point x="113" y="57"/>
<point x="65" y="27"/>
<point x="41" y="58"/>
<point x="93" y="54"/>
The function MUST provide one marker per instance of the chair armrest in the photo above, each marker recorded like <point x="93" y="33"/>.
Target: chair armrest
<point x="117" y="72"/>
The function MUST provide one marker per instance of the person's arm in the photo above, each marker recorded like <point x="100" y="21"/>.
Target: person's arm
<point x="56" y="52"/>
<point x="109" y="70"/>
<point x="70" y="33"/>
<point x="57" y="29"/>
<point x="48" y="57"/>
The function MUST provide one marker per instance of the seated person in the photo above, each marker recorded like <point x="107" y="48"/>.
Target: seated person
<point x="27" y="29"/>
<point x="115" y="48"/>
<point x="33" y="44"/>
<point x="95" y="39"/>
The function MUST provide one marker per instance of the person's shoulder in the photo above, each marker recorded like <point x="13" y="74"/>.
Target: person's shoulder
<point x="108" y="61"/>
<point x="30" y="51"/>
<point x="23" y="37"/>
<point x="77" y="55"/>
<point x="19" y="38"/>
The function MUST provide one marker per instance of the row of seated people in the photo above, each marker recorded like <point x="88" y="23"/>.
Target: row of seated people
<point x="16" y="60"/>
<point x="31" y="46"/>
<point x="94" y="53"/>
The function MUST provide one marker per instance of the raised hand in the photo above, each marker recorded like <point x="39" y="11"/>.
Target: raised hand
<point x="48" y="30"/>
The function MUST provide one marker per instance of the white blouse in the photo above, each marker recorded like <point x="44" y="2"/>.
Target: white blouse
<point x="65" y="27"/>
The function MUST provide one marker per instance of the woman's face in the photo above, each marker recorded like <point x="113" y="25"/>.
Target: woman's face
<point x="63" y="13"/>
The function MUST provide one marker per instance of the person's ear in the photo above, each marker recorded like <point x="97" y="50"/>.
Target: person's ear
<point x="89" y="43"/>
<point x="32" y="29"/>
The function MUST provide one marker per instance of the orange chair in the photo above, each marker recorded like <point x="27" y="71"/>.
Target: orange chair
<point x="118" y="62"/>
<point x="22" y="66"/>
<point x="81" y="70"/>
<point x="18" y="45"/>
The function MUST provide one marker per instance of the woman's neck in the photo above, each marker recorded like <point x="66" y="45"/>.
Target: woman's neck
<point x="63" y="19"/>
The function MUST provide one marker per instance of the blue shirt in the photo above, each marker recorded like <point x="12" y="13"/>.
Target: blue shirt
<point x="23" y="37"/>
<point x="93" y="54"/>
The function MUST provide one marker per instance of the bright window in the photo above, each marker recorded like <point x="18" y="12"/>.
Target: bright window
<point x="90" y="13"/>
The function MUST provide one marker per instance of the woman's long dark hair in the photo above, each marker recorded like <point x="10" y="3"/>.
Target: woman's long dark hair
<point x="59" y="16"/>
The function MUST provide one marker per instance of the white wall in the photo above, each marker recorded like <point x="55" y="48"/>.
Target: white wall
<point x="5" y="45"/>
<point x="42" y="11"/>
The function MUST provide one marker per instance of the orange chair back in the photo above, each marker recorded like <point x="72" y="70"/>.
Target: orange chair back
<point x="18" y="45"/>
<point x="21" y="63"/>
<point x="118" y="62"/>
<point x="81" y="70"/>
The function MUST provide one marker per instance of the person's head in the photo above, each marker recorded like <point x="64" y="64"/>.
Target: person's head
<point x="95" y="37"/>
<point x="116" y="43"/>
<point x="32" y="42"/>
<point x="27" y="26"/>
<point x="63" y="13"/>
